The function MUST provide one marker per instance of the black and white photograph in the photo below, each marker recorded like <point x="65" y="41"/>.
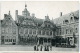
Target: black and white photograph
<point x="39" y="26"/>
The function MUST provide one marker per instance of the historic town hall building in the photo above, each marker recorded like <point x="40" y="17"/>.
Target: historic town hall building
<point x="29" y="30"/>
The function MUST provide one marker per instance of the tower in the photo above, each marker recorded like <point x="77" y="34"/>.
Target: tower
<point x="25" y="12"/>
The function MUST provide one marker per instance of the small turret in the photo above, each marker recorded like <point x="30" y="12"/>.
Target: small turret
<point x="33" y="15"/>
<point x="25" y="12"/>
<point x="47" y="18"/>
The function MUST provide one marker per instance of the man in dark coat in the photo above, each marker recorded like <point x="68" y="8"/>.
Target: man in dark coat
<point x="35" y="48"/>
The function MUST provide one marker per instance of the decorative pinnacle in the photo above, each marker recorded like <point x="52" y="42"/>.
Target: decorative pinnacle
<point x="25" y="5"/>
<point x="9" y="12"/>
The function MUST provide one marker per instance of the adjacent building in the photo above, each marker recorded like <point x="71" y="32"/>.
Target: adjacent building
<point x="68" y="26"/>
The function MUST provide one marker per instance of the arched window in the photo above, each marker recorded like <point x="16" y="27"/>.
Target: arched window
<point x="71" y="19"/>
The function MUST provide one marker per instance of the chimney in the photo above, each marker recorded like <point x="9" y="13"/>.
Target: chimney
<point x="16" y="14"/>
<point x="60" y="14"/>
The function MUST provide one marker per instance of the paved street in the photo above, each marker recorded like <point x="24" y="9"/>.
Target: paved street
<point x="31" y="48"/>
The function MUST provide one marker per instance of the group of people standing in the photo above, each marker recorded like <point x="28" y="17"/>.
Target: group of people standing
<point x="43" y="48"/>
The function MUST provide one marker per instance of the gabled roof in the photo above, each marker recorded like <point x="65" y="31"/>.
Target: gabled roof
<point x="3" y="22"/>
<point x="59" y="20"/>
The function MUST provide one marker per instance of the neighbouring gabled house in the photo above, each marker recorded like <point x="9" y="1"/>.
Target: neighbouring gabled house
<point x="9" y="30"/>
<point x="68" y="26"/>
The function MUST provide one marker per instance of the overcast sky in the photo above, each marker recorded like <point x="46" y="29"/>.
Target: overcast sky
<point x="40" y="8"/>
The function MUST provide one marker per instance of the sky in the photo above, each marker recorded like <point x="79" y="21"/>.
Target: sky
<point x="39" y="8"/>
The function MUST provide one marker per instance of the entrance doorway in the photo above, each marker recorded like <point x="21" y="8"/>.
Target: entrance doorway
<point x="40" y="40"/>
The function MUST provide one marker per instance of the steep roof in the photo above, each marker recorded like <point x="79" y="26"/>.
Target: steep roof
<point x="7" y="19"/>
<point x="59" y="20"/>
<point x="36" y="21"/>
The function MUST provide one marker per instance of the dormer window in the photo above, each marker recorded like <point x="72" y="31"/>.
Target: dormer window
<point x="66" y="21"/>
<point x="71" y="19"/>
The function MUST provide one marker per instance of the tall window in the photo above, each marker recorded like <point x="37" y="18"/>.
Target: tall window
<point x="34" y="31"/>
<point x="66" y="31"/>
<point x="30" y="31"/>
<point x="60" y="31"/>
<point x="26" y="31"/>
<point x="70" y="31"/>
<point x="50" y="32"/>
<point x="47" y="32"/>
<point x="43" y="32"/>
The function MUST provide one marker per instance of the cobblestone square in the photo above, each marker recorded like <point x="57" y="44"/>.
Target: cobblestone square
<point x="31" y="48"/>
